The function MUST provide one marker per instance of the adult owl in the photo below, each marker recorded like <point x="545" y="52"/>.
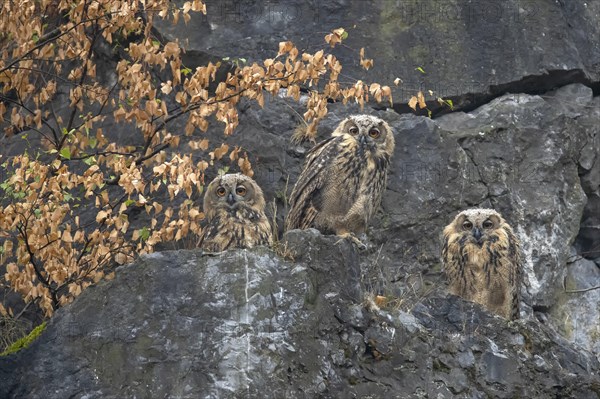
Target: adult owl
<point x="482" y="261"/>
<point x="343" y="179"/>
<point x="234" y="207"/>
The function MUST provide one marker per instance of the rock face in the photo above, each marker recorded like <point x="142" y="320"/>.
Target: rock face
<point x="250" y="324"/>
<point x="533" y="158"/>
<point x="470" y="51"/>
<point x="178" y="324"/>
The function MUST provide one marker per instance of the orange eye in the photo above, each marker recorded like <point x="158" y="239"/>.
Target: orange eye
<point x="467" y="225"/>
<point x="240" y="190"/>
<point x="374" y="133"/>
<point x="353" y="130"/>
<point x="221" y="191"/>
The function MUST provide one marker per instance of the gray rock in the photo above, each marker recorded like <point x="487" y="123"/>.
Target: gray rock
<point x="470" y="51"/>
<point x="582" y="274"/>
<point x="520" y="154"/>
<point x="576" y="313"/>
<point x="187" y="325"/>
<point x="246" y="323"/>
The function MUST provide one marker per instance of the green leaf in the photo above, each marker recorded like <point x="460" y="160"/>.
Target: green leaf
<point x="344" y="35"/>
<point x="222" y="171"/>
<point x="129" y="202"/>
<point x="68" y="197"/>
<point x="144" y="234"/>
<point x="93" y="142"/>
<point x="65" y="153"/>
<point x="186" y="71"/>
<point x="420" y="69"/>
<point x="90" y="161"/>
<point x="155" y="43"/>
<point x="35" y="38"/>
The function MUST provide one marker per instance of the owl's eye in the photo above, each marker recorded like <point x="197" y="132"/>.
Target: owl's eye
<point x="467" y="225"/>
<point x="221" y="191"/>
<point x="374" y="133"/>
<point x="488" y="224"/>
<point x="353" y="130"/>
<point x="240" y="190"/>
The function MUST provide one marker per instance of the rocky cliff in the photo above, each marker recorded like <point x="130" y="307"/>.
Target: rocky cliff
<point x="180" y="324"/>
<point x="255" y="324"/>
<point x="524" y="138"/>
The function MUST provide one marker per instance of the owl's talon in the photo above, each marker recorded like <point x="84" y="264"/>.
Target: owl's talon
<point x="352" y="238"/>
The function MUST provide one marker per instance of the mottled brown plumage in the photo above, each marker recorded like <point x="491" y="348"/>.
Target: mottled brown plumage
<point x="343" y="179"/>
<point x="234" y="207"/>
<point x="482" y="260"/>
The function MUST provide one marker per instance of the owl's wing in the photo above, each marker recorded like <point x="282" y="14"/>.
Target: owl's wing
<point x="306" y="200"/>
<point x="516" y="256"/>
<point x="446" y="234"/>
<point x="203" y="234"/>
<point x="209" y="237"/>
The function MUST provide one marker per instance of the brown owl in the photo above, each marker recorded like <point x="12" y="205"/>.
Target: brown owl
<point x="343" y="179"/>
<point x="482" y="260"/>
<point x="234" y="207"/>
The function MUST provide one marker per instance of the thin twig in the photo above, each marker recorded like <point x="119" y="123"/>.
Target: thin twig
<point x="582" y="290"/>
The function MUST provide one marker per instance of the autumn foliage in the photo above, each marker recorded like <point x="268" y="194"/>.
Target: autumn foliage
<point x="66" y="203"/>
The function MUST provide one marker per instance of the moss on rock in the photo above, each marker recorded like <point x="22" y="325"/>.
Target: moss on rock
<point x="25" y="341"/>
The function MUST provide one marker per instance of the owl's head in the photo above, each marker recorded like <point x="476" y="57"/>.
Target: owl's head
<point x="232" y="191"/>
<point x="372" y="134"/>
<point x="477" y="226"/>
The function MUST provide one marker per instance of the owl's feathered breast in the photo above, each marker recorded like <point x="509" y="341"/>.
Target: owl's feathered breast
<point x="243" y="227"/>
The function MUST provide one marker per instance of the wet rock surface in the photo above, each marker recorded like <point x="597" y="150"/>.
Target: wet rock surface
<point x="180" y="324"/>
<point x="250" y="323"/>
<point x="470" y="51"/>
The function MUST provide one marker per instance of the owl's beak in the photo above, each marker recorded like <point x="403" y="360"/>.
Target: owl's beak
<point x="361" y="145"/>
<point x="477" y="233"/>
<point x="362" y="140"/>
<point x="230" y="199"/>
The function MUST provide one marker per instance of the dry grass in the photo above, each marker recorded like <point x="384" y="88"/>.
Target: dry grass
<point x="11" y="330"/>
<point x="279" y="247"/>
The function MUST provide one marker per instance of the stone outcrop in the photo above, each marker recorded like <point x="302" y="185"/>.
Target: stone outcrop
<point x="470" y="51"/>
<point x="525" y="140"/>
<point x="180" y="324"/>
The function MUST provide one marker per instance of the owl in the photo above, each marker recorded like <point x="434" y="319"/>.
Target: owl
<point x="343" y="179"/>
<point x="234" y="207"/>
<point x="482" y="261"/>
